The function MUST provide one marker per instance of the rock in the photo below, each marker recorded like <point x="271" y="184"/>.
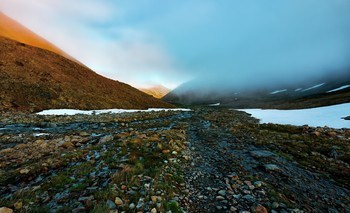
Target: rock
<point x="106" y="139"/>
<point x="118" y="201"/>
<point x="315" y="133"/>
<point x="165" y="151"/>
<point x="259" y="209"/>
<point x="111" y="205"/>
<point x="86" y="200"/>
<point x="249" y="198"/>
<point x="154" y="199"/>
<point x="233" y="209"/>
<point x="222" y="192"/>
<point x="24" y="171"/>
<point x="84" y="134"/>
<point x="5" y="210"/>
<point x="258" y="184"/>
<point x="67" y="145"/>
<point x="154" y="210"/>
<point x="132" y="206"/>
<point x="275" y="205"/>
<point x="261" y="154"/>
<point x="18" y="205"/>
<point x="271" y="167"/>
<point x="220" y="198"/>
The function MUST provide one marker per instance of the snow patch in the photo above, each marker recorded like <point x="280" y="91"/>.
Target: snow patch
<point x="313" y="87"/>
<point x="330" y="116"/>
<point x="40" y="134"/>
<point x="217" y="104"/>
<point x="278" y="91"/>
<point x="340" y="88"/>
<point x="90" y="112"/>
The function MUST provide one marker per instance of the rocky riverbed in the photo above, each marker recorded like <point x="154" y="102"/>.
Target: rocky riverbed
<point x="205" y="160"/>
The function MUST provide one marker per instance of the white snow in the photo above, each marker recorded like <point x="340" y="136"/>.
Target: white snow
<point x="313" y="87"/>
<point x="217" y="104"/>
<point x="340" y="88"/>
<point x="297" y="90"/>
<point x="90" y="112"/>
<point x="330" y="116"/>
<point x="278" y="91"/>
<point x="40" y="134"/>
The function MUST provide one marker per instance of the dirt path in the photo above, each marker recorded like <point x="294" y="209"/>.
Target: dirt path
<point x="228" y="174"/>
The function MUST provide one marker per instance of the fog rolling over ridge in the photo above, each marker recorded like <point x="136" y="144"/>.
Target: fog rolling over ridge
<point x="254" y="44"/>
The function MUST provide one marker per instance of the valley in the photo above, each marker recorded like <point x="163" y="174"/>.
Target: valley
<point x="204" y="160"/>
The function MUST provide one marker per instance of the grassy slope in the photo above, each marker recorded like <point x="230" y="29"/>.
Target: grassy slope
<point x="33" y="79"/>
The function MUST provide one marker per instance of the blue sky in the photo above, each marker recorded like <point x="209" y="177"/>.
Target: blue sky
<point x="147" y="42"/>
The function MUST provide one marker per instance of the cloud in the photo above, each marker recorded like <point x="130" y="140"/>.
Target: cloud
<point x="93" y="32"/>
<point x="152" y="41"/>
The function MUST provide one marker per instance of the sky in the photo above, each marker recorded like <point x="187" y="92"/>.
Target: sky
<point x="149" y="42"/>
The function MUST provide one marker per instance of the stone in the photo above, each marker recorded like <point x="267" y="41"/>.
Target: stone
<point x="261" y="154"/>
<point x="118" y="201"/>
<point x="165" y="151"/>
<point x="154" y="210"/>
<point x="275" y="205"/>
<point x="259" y="209"/>
<point x="106" y="139"/>
<point x="5" y="210"/>
<point x="67" y="145"/>
<point x="84" y="134"/>
<point x="249" y="198"/>
<point x="154" y="198"/>
<point x="258" y="184"/>
<point x="18" y="205"/>
<point x="222" y="192"/>
<point x="220" y="198"/>
<point x="271" y="167"/>
<point x="111" y="205"/>
<point x="132" y="206"/>
<point x="24" y="171"/>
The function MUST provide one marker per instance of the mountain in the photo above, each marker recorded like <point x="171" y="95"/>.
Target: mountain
<point x="158" y="91"/>
<point x="10" y="28"/>
<point x="34" y="79"/>
<point x="323" y="91"/>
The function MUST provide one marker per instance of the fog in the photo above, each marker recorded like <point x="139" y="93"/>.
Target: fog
<point x="218" y="43"/>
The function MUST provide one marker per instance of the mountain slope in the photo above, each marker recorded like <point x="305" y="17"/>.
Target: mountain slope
<point x="10" y="28"/>
<point x="158" y="91"/>
<point x="33" y="79"/>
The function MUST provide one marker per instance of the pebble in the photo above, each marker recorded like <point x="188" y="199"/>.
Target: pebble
<point x="111" y="205"/>
<point x="132" y="206"/>
<point x="18" y="205"/>
<point x="118" y="201"/>
<point x="154" y="210"/>
<point x="222" y="192"/>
